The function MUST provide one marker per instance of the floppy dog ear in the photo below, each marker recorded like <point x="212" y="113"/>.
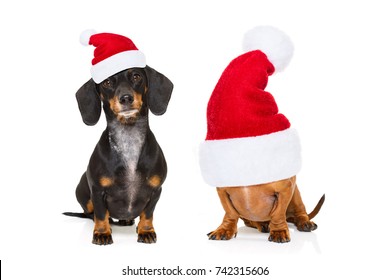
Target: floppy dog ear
<point x="159" y="91"/>
<point x="89" y="103"/>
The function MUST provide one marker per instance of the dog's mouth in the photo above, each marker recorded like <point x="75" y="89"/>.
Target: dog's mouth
<point x="128" y="113"/>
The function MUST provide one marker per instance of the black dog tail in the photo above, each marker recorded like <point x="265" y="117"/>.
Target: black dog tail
<point x="90" y="216"/>
<point x="78" y="215"/>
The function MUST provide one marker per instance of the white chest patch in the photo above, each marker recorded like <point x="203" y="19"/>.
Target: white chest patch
<point x="127" y="141"/>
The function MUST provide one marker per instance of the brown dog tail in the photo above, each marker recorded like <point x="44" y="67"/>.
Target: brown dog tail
<point x="317" y="208"/>
<point x="313" y="213"/>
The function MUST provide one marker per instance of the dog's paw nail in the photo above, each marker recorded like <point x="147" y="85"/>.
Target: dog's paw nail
<point x="211" y="236"/>
<point x="147" y="237"/>
<point x="284" y="240"/>
<point x="279" y="236"/>
<point x="102" y="239"/>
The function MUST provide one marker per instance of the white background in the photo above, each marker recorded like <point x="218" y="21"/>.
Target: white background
<point x="335" y="92"/>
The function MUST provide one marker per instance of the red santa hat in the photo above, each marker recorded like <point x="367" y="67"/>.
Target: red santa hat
<point x="113" y="53"/>
<point x="248" y="141"/>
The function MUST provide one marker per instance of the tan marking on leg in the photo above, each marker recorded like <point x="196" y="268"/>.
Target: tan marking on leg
<point x="103" y="226"/>
<point x="145" y="229"/>
<point x="145" y="224"/>
<point x="102" y="231"/>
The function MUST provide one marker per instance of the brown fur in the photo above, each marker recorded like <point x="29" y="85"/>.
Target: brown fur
<point x="145" y="229"/>
<point x="102" y="231"/>
<point x="266" y="207"/>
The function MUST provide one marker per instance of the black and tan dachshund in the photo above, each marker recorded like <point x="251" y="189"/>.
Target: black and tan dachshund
<point x="127" y="168"/>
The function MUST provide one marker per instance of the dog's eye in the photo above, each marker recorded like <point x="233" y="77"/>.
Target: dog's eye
<point x="136" y="77"/>
<point x="107" y="84"/>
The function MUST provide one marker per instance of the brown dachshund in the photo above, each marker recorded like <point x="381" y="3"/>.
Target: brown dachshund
<point x="266" y="207"/>
<point x="251" y="153"/>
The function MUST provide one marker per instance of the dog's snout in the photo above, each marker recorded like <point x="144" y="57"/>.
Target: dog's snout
<point x="126" y="99"/>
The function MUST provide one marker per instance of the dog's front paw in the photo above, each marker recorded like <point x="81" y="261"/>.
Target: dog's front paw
<point x="279" y="236"/>
<point x="222" y="234"/>
<point x="102" y="239"/>
<point x="148" y="236"/>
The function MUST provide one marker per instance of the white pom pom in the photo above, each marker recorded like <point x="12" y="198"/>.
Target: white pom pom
<point x="276" y="45"/>
<point x="86" y="35"/>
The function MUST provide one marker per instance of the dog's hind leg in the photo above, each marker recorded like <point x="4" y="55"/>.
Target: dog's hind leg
<point x="296" y="213"/>
<point x="83" y="195"/>
<point x="228" y="228"/>
<point x="84" y="198"/>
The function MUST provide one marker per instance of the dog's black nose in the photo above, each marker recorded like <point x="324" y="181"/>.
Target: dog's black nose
<point x="126" y="99"/>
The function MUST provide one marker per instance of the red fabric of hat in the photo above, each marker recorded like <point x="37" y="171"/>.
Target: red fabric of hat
<point x="113" y="53"/>
<point x="239" y="106"/>
<point x="248" y="141"/>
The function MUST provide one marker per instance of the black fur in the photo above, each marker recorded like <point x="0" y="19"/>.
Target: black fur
<point x="127" y="167"/>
